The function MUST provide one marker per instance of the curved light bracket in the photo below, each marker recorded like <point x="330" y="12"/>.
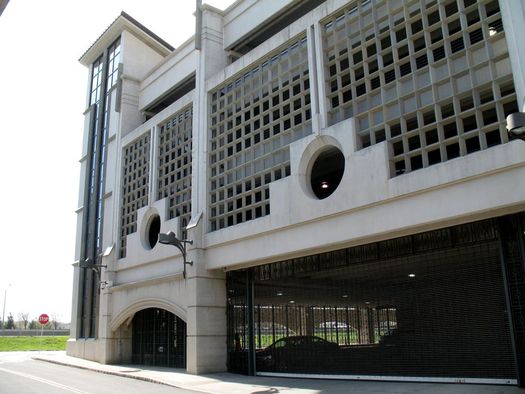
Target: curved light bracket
<point x="171" y="239"/>
<point x="88" y="263"/>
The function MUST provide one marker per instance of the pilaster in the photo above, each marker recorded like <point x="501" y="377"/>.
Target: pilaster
<point x="211" y="59"/>
<point x="206" y="312"/>
<point x="513" y="13"/>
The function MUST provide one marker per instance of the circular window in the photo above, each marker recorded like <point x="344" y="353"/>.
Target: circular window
<point x="153" y="231"/>
<point x="327" y="172"/>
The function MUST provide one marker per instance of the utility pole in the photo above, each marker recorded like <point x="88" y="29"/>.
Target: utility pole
<point x="3" y="312"/>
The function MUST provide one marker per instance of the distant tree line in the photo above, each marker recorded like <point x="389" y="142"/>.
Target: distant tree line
<point x="24" y="323"/>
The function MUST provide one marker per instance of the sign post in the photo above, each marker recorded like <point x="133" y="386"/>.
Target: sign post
<point x="43" y="319"/>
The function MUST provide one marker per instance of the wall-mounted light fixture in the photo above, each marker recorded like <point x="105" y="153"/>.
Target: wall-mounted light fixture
<point x="516" y="125"/>
<point x="88" y="263"/>
<point x="171" y="239"/>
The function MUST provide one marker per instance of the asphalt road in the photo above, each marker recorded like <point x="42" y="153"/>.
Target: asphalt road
<point x="21" y="375"/>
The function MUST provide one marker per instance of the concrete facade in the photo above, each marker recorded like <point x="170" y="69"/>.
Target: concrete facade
<point x="370" y="204"/>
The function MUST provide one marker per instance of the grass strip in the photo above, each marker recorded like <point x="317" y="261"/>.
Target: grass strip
<point x="13" y="344"/>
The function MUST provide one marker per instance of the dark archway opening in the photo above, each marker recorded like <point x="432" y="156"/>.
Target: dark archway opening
<point x="153" y="231"/>
<point x="327" y="172"/>
<point x="159" y="339"/>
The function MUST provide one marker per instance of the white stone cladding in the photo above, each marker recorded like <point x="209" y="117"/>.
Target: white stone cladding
<point x="371" y="204"/>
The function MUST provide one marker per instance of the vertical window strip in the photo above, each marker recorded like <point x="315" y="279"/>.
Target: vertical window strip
<point x="102" y="77"/>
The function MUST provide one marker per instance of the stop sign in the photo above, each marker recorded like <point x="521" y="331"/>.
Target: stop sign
<point x="43" y="319"/>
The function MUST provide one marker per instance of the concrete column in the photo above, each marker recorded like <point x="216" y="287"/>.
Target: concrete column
<point x="317" y="37"/>
<point x="513" y="15"/>
<point x="73" y="333"/>
<point x="206" y="310"/>
<point x="212" y="58"/>
<point x="206" y="317"/>
<point x="107" y="350"/>
<point x="312" y="67"/>
<point x="154" y="132"/>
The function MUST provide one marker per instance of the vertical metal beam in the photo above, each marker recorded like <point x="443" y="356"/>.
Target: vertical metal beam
<point x="506" y="225"/>
<point x="250" y="317"/>
<point x="348" y="340"/>
<point x="336" y="326"/>
<point x="259" y="324"/>
<point x="370" y="321"/>
<point x="359" y="333"/>
<point x="324" y="321"/>
<point x="273" y="323"/>
<point x="310" y="330"/>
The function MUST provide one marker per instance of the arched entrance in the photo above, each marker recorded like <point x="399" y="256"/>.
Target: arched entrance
<point x="159" y="338"/>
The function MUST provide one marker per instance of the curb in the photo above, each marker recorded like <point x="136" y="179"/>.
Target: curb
<point x="120" y="374"/>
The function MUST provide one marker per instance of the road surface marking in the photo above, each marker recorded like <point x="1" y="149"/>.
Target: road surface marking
<point x="42" y="380"/>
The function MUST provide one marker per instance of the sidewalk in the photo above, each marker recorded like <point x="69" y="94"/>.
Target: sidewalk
<point x="228" y="383"/>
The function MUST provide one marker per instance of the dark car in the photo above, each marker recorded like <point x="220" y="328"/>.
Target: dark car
<point x="297" y="354"/>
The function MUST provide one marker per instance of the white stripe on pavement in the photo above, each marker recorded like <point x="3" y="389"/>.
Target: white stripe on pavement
<point x="46" y="381"/>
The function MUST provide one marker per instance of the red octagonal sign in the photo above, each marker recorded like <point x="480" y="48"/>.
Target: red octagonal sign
<point x="43" y="319"/>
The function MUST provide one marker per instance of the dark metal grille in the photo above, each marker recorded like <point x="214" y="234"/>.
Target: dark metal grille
<point x="426" y="305"/>
<point x="441" y="239"/>
<point x="159" y="338"/>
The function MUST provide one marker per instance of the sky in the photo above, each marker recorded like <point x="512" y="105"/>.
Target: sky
<point x="42" y="98"/>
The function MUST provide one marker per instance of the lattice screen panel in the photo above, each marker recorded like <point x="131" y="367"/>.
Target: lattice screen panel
<point x="135" y="186"/>
<point x="431" y="77"/>
<point x="253" y="120"/>
<point x="174" y="165"/>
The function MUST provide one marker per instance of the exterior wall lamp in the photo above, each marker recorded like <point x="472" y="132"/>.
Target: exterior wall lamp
<point x="88" y="263"/>
<point x="171" y="239"/>
<point x="516" y="125"/>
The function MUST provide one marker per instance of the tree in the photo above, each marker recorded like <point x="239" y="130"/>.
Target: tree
<point x="10" y="324"/>
<point x="54" y="321"/>
<point x="33" y="325"/>
<point x="24" y="317"/>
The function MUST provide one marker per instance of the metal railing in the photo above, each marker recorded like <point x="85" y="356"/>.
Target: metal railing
<point x="32" y="333"/>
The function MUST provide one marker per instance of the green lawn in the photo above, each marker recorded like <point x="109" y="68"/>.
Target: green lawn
<point x="11" y="344"/>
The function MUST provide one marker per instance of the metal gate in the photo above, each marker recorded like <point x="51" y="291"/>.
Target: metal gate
<point x="159" y="338"/>
<point x="428" y="307"/>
